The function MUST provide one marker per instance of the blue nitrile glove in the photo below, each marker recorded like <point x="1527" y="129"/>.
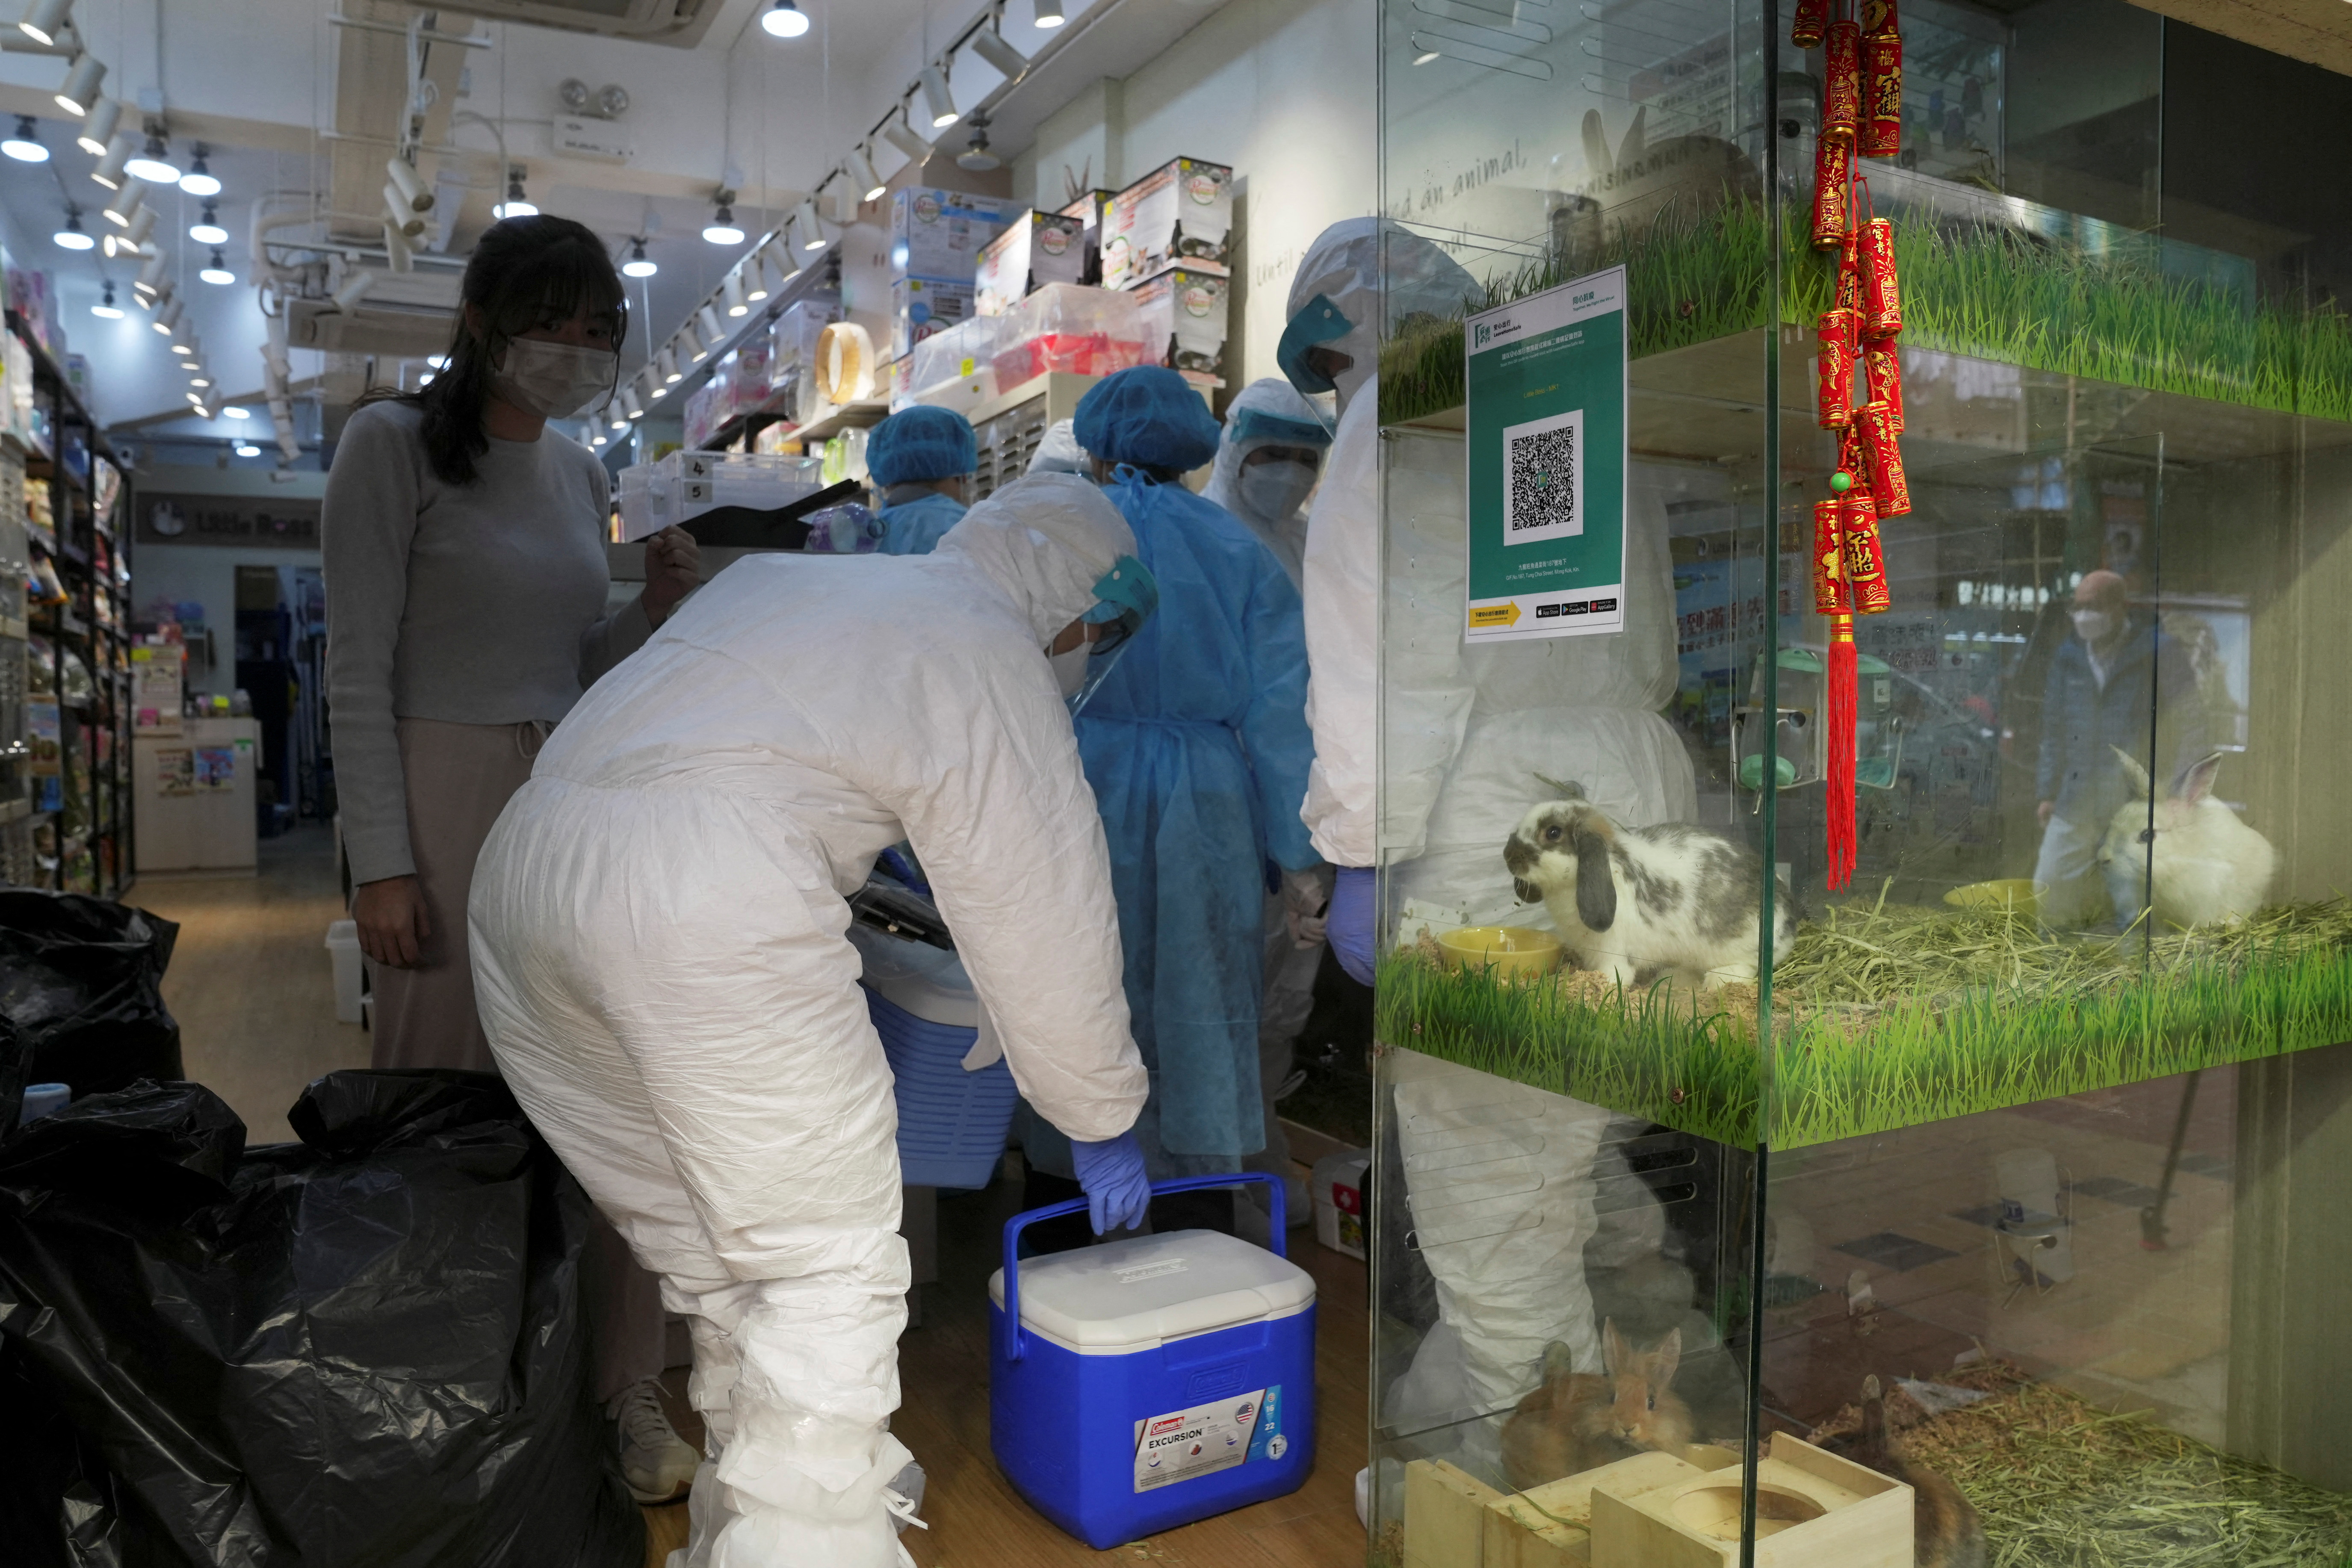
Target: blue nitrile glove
<point x="1111" y="1174"/>
<point x="1352" y="921"/>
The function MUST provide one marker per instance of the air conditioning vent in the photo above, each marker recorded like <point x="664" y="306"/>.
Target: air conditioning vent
<point x="681" y="23"/>
<point x="392" y="332"/>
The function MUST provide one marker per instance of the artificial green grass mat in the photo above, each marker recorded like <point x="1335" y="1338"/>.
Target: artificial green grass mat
<point x="1702" y="271"/>
<point x="1890" y="1018"/>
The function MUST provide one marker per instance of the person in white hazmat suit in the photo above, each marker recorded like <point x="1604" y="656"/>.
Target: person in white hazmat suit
<point x="1499" y="1177"/>
<point x="1268" y="459"/>
<point x="659" y="925"/>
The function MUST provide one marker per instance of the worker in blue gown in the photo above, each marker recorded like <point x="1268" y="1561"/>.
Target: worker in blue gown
<point x="922" y="460"/>
<point x="1197" y="746"/>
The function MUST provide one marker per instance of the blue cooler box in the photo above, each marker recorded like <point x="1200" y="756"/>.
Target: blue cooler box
<point x="1156" y="1380"/>
<point x="952" y="1124"/>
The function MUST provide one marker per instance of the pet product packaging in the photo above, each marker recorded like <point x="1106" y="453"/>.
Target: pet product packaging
<point x="1181" y="212"/>
<point x="938" y="234"/>
<point x="1035" y="249"/>
<point x="1183" y="313"/>
<point x="920" y="307"/>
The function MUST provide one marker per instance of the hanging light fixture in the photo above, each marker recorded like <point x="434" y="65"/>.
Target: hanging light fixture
<point x="106" y="309"/>
<point x="98" y="126"/>
<point x="732" y="292"/>
<point x="638" y="265"/>
<point x="714" y="331"/>
<point x="45" y="21"/>
<point x="109" y="170"/>
<point x="782" y="254"/>
<point x="167" y="318"/>
<point x="940" y="101"/>
<point x="785" y="20"/>
<point x="247" y="449"/>
<point x="630" y="408"/>
<point x="645" y="388"/>
<point x="721" y="229"/>
<point x="517" y="204"/>
<point x="755" y="275"/>
<point x="161" y="297"/>
<point x="1048" y="13"/>
<point x="80" y="90"/>
<point x="667" y="361"/>
<point x="153" y="164"/>
<point x="149" y="279"/>
<point x="989" y="44"/>
<point x="862" y="177"/>
<point x="199" y="180"/>
<point x="903" y="136"/>
<point x="125" y="206"/>
<point x="812" y="231"/>
<point x="71" y="236"/>
<point x="207" y="229"/>
<point x="217" y="272"/>
<point x="25" y="146"/>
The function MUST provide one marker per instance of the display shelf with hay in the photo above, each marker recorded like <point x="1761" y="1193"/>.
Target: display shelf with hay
<point x="1890" y="1016"/>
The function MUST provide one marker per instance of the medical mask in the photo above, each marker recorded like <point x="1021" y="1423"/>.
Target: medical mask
<point x="2094" y="626"/>
<point x="1070" y="670"/>
<point x="1274" y="490"/>
<point x="554" y="380"/>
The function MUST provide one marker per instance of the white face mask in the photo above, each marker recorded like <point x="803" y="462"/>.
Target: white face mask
<point x="1271" y="491"/>
<point x="554" y="380"/>
<point x="2094" y="626"/>
<point x="1070" y="668"/>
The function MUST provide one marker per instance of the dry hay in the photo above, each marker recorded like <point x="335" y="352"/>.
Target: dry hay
<point x="2061" y="1483"/>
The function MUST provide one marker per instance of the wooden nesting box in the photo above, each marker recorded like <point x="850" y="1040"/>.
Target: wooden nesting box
<point x="1550" y="1526"/>
<point x="1444" y="1515"/>
<point x="1813" y="1509"/>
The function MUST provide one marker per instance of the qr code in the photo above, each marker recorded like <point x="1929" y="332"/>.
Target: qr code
<point x="1542" y="491"/>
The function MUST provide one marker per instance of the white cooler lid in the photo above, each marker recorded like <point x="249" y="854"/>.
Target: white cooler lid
<point x="926" y="981"/>
<point x="1132" y="1295"/>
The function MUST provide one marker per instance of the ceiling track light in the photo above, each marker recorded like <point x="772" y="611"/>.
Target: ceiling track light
<point x="200" y="180"/>
<point x="125" y="205"/>
<point x="109" y="170"/>
<point x="714" y="331"/>
<point x="45" y="21"/>
<point x="689" y="347"/>
<point x="398" y="252"/>
<point x="162" y="297"/>
<point x="167" y="318"/>
<point x="398" y="215"/>
<point x="354" y="290"/>
<point x="782" y="254"/>
<point x="859" y="167"/>
<point x="840" y="204"/>
<point x="25" y="146"/>
<point x="631" y="408"/>
<point x="153" y="164"/>
<point x="785" y="20"/>
<point x="811" y="232"/>
<point x="755" y="276"/>
<point x="151" y="277"/>
<point x="143" y="223"/>
<point x="1048" y="13"/>
<point x="98" y="126"/>
<point x="732" y="292"/>
<point x="938" y="99"/>
<point x="80" y="90"/>
<point x="989" y="44"/>
<point x="411" y="191"/>
<point x="665" y="364"/>
<point x="902" y="135"/>
<point x="638" y="265"/>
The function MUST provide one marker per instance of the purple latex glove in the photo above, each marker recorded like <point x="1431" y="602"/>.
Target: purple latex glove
<point x="1352" y="921"/>
<point x="1111" y="1176"/>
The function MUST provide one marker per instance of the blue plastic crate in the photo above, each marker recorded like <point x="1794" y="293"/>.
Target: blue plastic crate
<point x="1155" y="1381"/>
<point x="951" y="1123"/>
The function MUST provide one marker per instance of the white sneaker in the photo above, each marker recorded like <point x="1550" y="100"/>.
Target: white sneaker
<point x="655" y="1461"/>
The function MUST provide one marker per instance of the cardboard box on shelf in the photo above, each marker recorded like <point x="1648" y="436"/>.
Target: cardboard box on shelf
<point x="1179" y="213"/>
<point x="1089" y="210"/>
<point x="1184" y="313"/>
<point x="938" y="234"/>
<point x="1035" y="249"/>
<point x="920" y="307"/>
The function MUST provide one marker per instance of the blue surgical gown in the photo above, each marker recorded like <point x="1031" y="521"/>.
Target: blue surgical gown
<point x="913" y="527"/>
<point x="1197" y="747"/>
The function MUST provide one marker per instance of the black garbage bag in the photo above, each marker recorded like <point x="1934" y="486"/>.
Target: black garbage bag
<point x="82" y="980"/>
<point x="361" y="1351"/>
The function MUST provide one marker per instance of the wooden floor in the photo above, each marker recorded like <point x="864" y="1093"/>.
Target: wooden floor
<point x="252" y="987"/>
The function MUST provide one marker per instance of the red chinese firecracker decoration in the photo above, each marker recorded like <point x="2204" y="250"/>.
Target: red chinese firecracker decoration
<point x="1887" y="481"/>
<point x="1882" y="300"/>
<point x="1865" y="565"/>
<point x="1833" y="207"/>
<point x="1842" y="84"/>
<point x="1880" y="134"/>
<point x="1849" y="275"/>
<point x="1877" y="18"/>
<point x="1882" y="369"/>
<point x="1836" y="338"/>
<point x="1812" y="16"/>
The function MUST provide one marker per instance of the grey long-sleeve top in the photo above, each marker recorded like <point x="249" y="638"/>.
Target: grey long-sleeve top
<point x="475" y="604"/>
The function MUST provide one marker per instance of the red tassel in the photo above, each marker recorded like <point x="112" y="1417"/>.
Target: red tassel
<point x="1842" y="680"/>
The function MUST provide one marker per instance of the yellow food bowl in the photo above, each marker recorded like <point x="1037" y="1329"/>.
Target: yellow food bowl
<point x="2016" y="895"/>
<point x="1509" y="951"/>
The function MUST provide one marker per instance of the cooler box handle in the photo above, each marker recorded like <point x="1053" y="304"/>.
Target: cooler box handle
<point x="1020" y="1222"/>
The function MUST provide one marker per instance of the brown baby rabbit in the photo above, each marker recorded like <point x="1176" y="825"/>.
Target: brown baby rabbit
<point x="1576" y="1421"/>
<point x="1946" y="1532"/>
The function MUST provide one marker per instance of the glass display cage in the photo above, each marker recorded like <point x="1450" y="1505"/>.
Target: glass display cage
<point x="1982" y="1205"/>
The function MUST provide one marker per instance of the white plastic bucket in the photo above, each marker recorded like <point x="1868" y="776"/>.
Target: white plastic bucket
<point x="344" y="947"/>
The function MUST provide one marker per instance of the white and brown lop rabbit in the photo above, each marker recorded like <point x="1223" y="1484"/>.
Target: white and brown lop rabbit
<point x="2192" y="859"/>
<point x="1639" y="903"/>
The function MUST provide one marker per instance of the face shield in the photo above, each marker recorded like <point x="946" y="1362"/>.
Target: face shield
<point x="1318" y="322"/>
<point x="1125" y="597"/>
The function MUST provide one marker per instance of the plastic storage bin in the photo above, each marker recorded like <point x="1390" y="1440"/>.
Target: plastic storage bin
<point x="343" y="948"/>
<point x="687" y="485"/>
<point x="1066" y="326"/>
<point x="966" y="347"/>
<point x="1152" y="1382"/>
<point x="951" y="1123"/>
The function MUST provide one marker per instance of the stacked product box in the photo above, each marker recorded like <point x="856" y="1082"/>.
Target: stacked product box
<point x="1184" y="313"/>
<point x="1089" y="210"/>
<point x="1035" y="249"/>
<point x="1167" y="238"/>
<point x="936" y="239"/>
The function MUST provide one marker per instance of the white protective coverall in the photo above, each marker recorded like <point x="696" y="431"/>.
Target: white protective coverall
<point x="1499" y="1177"/>
<point x="658" y="937"/>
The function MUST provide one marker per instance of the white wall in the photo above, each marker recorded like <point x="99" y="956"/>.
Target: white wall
<point x="1282" y="90"/>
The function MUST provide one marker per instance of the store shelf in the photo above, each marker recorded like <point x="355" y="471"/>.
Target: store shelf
<point x="845" y="416"/>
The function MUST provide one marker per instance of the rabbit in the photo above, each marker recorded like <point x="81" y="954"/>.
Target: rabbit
<point x="2206" y="866"/>
<point x="1576" y="1421"/>
<point x="1669" y="899"/>
<point x="1945" y="1530"/>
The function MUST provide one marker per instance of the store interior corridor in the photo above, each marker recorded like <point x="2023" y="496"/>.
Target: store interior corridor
<point x="252" y="990"/>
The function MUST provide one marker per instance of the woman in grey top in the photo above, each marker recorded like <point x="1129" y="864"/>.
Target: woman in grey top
<point x="464" y="546"/>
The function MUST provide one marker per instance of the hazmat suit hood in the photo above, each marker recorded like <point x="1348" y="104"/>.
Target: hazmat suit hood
<point x="1059" y="452"/>
<point x="1268" y="413"/>
<point x="1046" y="541"/>
<point x="1343" y="266"/>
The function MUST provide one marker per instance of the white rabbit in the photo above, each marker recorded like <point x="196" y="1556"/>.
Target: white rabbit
<point x="1639" y="902"/>
<point x="2206" y="867"/>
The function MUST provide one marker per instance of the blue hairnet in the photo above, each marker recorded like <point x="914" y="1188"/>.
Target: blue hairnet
<point x="1148" y="415"/>
<point x="921" y="443"/>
